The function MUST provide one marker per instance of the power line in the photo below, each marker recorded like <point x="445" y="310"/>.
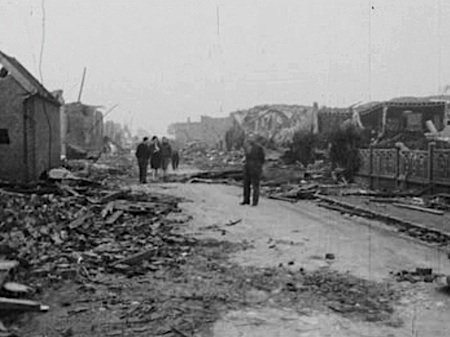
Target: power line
<point x="41" y="54"/>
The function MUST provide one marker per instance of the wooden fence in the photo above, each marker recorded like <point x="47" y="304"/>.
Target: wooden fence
<point x="393" y="167"/>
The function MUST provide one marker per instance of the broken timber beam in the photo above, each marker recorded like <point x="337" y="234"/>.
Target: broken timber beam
<point x="279" y="197"/>
<point x="419" y="208"/>
<point x="113" y="217"/>
<point x="22" y="305"/>
<point x="136" y="258"/>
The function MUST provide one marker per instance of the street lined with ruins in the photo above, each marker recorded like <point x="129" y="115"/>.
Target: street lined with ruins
<point x="224" y="168"/>
<point x="283" y="269"/>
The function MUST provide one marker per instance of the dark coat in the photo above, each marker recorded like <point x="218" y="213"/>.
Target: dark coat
<point x="143" y="152"/>
<point x="255" y="157"/>
<point x="155" y="160"/>
<point x="166" y="150"/>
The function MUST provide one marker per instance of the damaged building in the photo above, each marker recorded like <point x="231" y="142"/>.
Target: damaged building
<point x="83" y="129"/>
<point x="30" y="138"/>
<point x="386" y="120"/>
<point x="275" y="123"/>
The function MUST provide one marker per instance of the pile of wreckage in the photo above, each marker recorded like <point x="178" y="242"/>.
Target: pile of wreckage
<point x="77" y="228"/>
<point x="209" y="159"/>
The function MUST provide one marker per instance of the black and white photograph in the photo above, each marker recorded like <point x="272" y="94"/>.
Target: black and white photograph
<point x="224" y="168"/>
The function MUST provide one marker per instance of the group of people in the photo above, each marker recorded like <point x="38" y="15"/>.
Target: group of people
<point x="158" y="154"/>
<point x="161" y="154"/>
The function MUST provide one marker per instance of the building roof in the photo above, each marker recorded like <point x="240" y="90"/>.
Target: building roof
<point x="25" y="78"/>
<point x="404" y="104"/>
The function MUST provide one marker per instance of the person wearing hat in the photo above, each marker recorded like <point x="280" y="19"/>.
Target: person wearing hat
<point x="254" y="161"/>
<point x="143" y="155"/>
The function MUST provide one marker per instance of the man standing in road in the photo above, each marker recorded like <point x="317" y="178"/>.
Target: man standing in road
<point x="143" y="155"/>
<point x="254" y="160"/>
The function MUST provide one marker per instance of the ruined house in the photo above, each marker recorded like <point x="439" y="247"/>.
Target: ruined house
<point x="388" y="119"/>
<point x="83" y="129"/>
<point x="30" y="139"/>
<point x="276" y="122"/>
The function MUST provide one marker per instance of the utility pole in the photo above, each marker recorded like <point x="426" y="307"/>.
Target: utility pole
<point x="218" y="19"/>
<point x="82" y="85"/>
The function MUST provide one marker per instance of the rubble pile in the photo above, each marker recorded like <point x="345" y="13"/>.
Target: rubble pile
<point x="57" y="237"/>
<point x="104" y="170"/>
<point x="212" y="159"/>
<point x="80" y="230"/>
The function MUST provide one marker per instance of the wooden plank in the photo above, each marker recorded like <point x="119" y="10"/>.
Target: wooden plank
<point x="112" y="196"/>
<point x="384" y="200"/>
<point x="16" y="287"/>
<point x="419" y="208"/>
<point x="279" y="197"/>
<point x="109" y="208"/>
<point x="68" y="189"/>
<point x="113" y="218"/>
<point x="137" y="258"/>
<point x="22" y="305"/>
<point x="79" y="221"/>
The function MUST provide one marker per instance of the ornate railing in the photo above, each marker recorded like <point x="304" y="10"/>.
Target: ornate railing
<point x="417" y="166"/>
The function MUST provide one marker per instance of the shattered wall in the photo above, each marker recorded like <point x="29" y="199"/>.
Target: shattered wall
<point x="84" y="126"/>
<point x="392" y="118"/>
<point x="276" y="122"/>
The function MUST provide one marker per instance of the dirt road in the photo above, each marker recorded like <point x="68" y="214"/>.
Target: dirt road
<point x="299" y="235"/>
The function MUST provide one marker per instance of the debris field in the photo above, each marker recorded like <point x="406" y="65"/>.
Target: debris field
<point x="96" y="259"/>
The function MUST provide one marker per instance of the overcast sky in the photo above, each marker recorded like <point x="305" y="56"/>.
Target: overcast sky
<point x="165" y="60"/>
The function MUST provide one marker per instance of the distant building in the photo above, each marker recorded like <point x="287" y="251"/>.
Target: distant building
<point x="209" y="130"/>
<point x="30" y="132"/>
